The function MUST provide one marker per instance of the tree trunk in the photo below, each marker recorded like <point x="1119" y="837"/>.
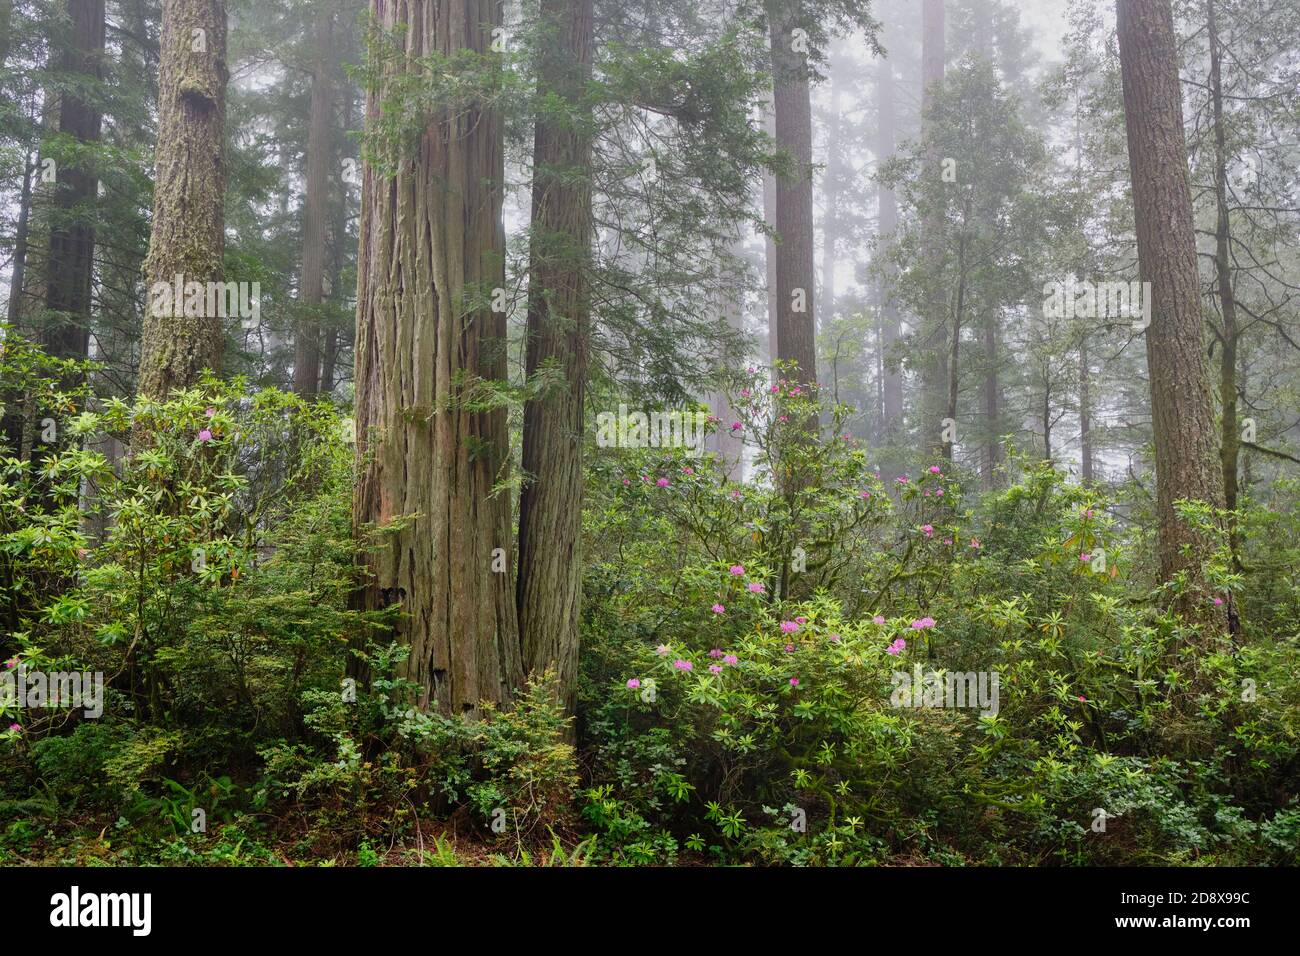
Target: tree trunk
<point x="432" y="252"/>
<point x="725" y="443"/>
<point x="16" y="275"/>
<point x="934" y="337"/>
<point x="892" y="398"/>
<point x="1085" y="412"/>
<point x="71" y="262"/>
<point x="830" y="193"/>
<point x="187" y="238"/>
<point x="1231" y="438"/>
<point x="320" y="158"/>
<point x="769" y="246"/>
<point x="992" y="402"/>
<point x="1182" y="416"/>
<point x="795" y="275"/>
<point x="954" y="340"/>
<point x="550" y="505"/>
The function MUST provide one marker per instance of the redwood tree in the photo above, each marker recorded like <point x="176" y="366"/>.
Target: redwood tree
<point x="550" y="505"/>
<point x="1182" y="416"/>
<point x="431" y="433"/>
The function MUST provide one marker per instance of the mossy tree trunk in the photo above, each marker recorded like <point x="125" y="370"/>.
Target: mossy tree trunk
<point x="187" y="237"/>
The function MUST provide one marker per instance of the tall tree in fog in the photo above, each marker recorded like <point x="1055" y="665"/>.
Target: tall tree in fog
<point x="934" y="341"/>
<point x="320" y="159"/>
<point x="792" y="121"/>
<point x="71" y="260"/>
<point x="1181" y="410"/>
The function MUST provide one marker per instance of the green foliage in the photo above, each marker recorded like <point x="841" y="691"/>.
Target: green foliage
<point x="740" y="710"/>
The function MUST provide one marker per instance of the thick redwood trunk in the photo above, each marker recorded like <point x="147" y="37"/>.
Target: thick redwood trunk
<point x="1182" y="416"/>
<point x="432" y="253"/>
<point x="550" y="505"/>
<point x="188" y="234"/>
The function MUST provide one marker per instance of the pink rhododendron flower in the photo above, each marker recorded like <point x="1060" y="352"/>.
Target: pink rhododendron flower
<point x="794" y="682"/>
<point x="789" y="627"/>
<point x="737" y="569"/>
<point x="897" y="647"/>
<point x="715" y="668"/>
<point x="921" y="624"/>
<point x="735" y="493"/>
<point x="938" y="492"/>
<point x="661" y="650"/>
<point x="209" y="412"/>
<point x="719" y="609"/>
<point x="1218" y="601"/>
<point x="736" y="426"/>
<point x="688" y="471"/>
<point x="16" y="728"/>
<point x="205" y="435"/>
<point x="975" y="543"/>
<point x="682" y="665"/>
<point x="789" y="648"/>
<point x="878" y="619"/>
<point x="633" y="684"/>
<point x="1085" y="557"/>
<point x="715" y="653"/>
<point x="928" y="529"/>
<point x="865" y="494"/>
<point x="731" y="659"/>
<point x="801" y="620"/>
<point x="745" y="393"/>
<point x="662" y="482"/>
<point x="835" y="638"/>
<point x="755" y="586"/>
